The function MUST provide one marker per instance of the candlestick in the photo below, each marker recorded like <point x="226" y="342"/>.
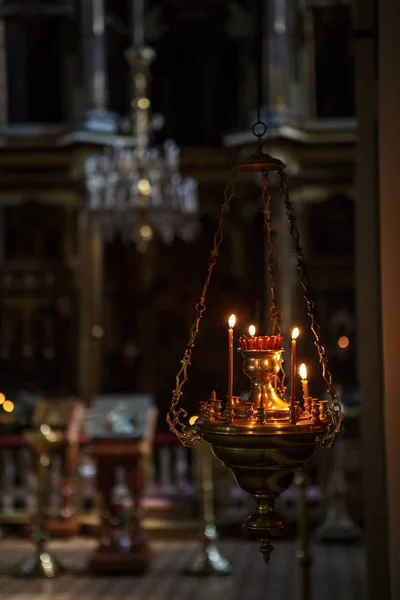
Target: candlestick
<point x="231" y="322"/>
<point x="295" y="334"/>
<point x="304" y="381"/>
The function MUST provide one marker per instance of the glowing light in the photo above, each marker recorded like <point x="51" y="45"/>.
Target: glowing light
<point x="97" y="332"/>
<point x="45" y="429"/>
<point x="45" y="460"/>
<point x="143" y="103"/>
<point x="146" y="233"/>
<point x="144" y="186"/>
<point x="303" y="371"/>
<point x="252" y="330"/>
<point x="8" y="406"/>
<point x="193" y="420"/>
<point x="343" y="342"/>
<point x="45" y="557"/>
<point x="232" y="321"/>
<point x="2" y="398"/>
<point x="295" y="333"/>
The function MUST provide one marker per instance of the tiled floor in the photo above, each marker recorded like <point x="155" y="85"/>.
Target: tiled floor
<point x="337" y="572"/>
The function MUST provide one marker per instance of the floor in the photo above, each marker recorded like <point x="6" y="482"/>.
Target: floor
<point x="337" y="573"/>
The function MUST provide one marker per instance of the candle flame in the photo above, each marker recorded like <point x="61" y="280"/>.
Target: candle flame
<point x="232" y="321"/>
<point x="252" y="330"/>
<point x="303" y="371"/>
<point x="295" y="333"/>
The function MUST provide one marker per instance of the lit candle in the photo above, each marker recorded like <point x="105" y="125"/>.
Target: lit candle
<point x="231" y="322"/>
<point x="304" y="381"/>
<point x="295" y="335"/>
<point x="252" y="330"/>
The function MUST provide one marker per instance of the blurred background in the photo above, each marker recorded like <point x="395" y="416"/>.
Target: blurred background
<point x="120" y="122"/>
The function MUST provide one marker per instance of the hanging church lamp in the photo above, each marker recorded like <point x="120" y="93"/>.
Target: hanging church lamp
<point x="265" y="436"/>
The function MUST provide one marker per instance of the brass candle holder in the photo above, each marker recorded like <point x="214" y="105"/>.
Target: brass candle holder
<point x="40" y="563"/>
<point x="265" y="438"/>
<point x="261" y="445"/>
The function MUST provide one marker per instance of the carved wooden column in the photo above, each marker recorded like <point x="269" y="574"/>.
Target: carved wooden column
<point x="376" y="442"/>
<point x="94" y="69"/>
<point x="389" y="184"/>
<point x="91" y="307"/>
<point x="94" y="55"/>
<point x="281" y="44"/>
<point x="304" y="60"/>
<point x="96" y="256"/>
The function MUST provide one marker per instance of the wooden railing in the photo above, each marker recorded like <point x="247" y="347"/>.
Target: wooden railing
<point x="172" y="488"/>
<point x="171" y="495"/>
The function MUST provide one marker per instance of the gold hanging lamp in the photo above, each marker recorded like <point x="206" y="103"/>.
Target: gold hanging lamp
<point x="264" y="438"/>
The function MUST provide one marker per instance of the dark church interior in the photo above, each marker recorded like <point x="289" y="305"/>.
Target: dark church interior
<point x="199" y="299"/>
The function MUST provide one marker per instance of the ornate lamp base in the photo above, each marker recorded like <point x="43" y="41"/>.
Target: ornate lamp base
<point x="209" y="561"/>
<point x="263" y="462"/>
<point x="39" y="564"/>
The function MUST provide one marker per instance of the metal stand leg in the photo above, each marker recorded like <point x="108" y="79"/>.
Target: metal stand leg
<point x="209" y="561"/>
<point x="303" y="552"/>
<point x="338" y="525"/>
<point x="40" y="563"/>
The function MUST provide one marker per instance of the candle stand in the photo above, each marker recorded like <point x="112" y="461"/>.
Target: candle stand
<point x="40" y="563"/>
<point x="209" y="561"/>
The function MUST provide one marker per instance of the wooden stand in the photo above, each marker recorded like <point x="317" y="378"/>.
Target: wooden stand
<point x="67" y="525"/>
<point x="133" y="455"/>
<point x="64" y="414"/>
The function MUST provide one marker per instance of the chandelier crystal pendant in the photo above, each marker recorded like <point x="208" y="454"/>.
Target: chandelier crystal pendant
<point x="135" y="189"/>
<point x="266" y="436"/>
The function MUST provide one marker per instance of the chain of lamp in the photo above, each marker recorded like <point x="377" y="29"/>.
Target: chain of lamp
<point x="176" y="414"/>
<point x="271" y="268"/>
<point x="271" y="257"/>
<point x="333" y="412"/>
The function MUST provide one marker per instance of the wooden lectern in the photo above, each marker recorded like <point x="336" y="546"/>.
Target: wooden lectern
<point x="122" y="430"/>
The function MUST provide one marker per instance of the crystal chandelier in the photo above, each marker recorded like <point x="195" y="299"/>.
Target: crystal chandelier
<point x="269" y="432"/>
<point x="135" y="189"/>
